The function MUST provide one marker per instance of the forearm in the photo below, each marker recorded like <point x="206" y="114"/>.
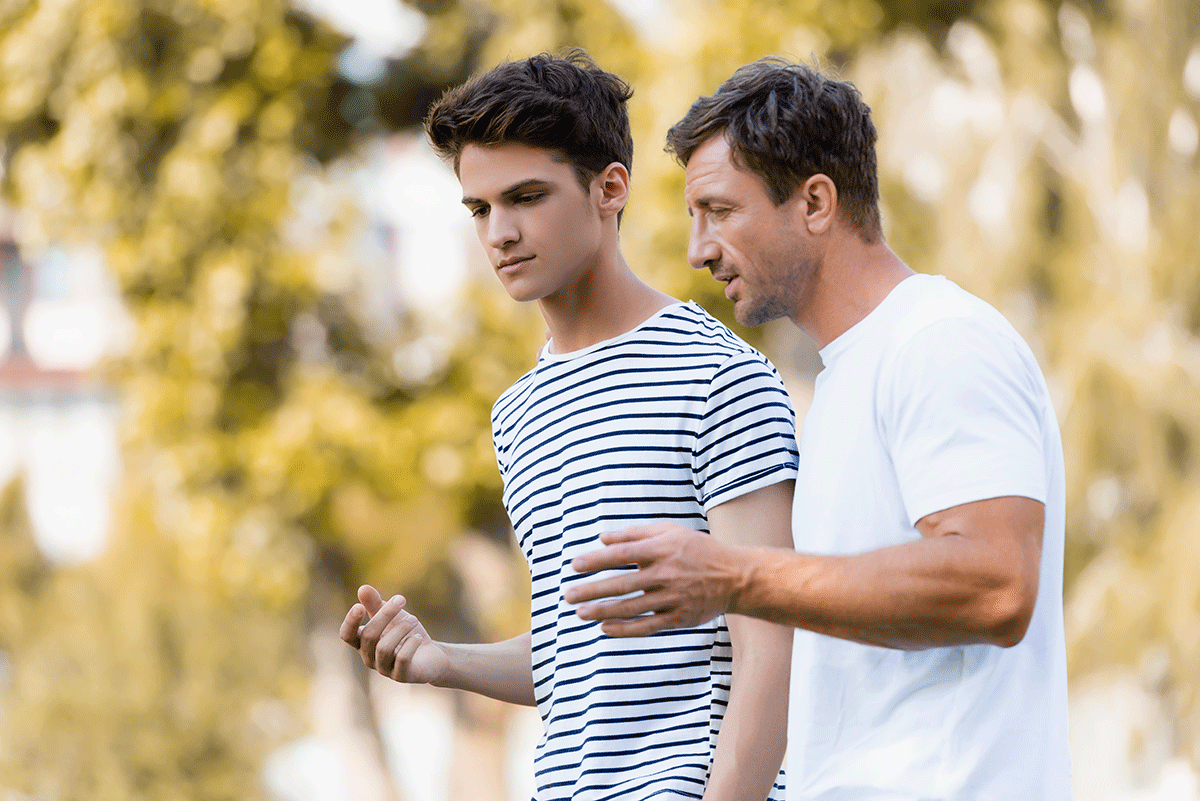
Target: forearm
<point x="753" y="736"/>
<point x="927" y="593"/>
<point x="502" y="670"/>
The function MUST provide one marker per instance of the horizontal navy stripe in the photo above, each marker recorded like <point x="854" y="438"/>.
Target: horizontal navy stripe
<point x="674" y="771"/>
<point x="632" y="669"/>
<point x="638" y="703"/>
<point x="624" y="500"/>
<point x="643" y="734"/>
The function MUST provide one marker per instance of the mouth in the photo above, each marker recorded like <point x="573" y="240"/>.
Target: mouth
<point x="511" y="264"/>
<point x="727" y="279"/>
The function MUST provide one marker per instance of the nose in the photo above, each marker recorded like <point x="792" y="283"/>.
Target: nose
<point x="703" y="252"/>
<point x="501" y="230"/>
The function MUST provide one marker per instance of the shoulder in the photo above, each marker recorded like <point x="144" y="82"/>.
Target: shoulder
<point x="687" y="324"/>
<point x="942" y="321"/>
<point x="511" y="397"/>
<point x="696" y="332"/>
<point x="951" y="349"/>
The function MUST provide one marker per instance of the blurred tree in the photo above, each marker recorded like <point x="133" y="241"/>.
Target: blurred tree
<point x="1042" y="154"/>
<point x="23" y="575"/>
<point x="274" y="458"/>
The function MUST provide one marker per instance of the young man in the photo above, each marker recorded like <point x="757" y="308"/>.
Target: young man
<point x="640" y="409"/>
<point x="929" y="659"/>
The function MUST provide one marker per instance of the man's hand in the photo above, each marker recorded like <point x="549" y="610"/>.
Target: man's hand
<point x="686" y="578"/>
<point x="391" y="641"/>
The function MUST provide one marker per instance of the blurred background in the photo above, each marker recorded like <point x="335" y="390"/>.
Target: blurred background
<point x="248" y="348"/>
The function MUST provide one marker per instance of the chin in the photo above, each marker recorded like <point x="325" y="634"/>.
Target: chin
<point x="523" y="294"/>
<point x="523" y="297"/>
<point x="746" y="315"/>
<point x="751" y="316"/>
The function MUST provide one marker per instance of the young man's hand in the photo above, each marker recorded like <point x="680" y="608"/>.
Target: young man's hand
<point x="391" y="641"/>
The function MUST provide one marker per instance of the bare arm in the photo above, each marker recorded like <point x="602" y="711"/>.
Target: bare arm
<point x="502" y="670"/>
<point x="971" y="578"/>
<point x="753" y="735"/>
<point x="393" y="642"/>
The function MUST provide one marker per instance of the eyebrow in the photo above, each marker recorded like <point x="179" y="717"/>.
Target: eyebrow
<point x="705" y="202"/>
<point x="514" y="190"/>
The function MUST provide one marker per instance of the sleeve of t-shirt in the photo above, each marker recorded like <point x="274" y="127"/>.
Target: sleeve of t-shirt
<point x="498" y="447"/>
<point x="963" y="418"/>
<point x="746" y="439"/>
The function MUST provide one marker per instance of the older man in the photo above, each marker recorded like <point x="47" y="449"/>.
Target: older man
<point x="926" y="593"/>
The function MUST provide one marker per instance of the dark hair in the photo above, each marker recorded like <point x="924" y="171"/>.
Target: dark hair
<point x="565" y="104"/>
<point x="785" y="123"/>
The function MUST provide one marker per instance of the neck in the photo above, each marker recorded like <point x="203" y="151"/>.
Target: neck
<point x="853" y="278"/>
<point x="605" y="302"/>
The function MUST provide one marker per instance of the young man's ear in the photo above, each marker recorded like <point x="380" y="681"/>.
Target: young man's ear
<point x="613" y="182"/>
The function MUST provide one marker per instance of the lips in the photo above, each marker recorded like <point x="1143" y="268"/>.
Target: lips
<point x="727" y="279"/>
<point x="510" y="265"/>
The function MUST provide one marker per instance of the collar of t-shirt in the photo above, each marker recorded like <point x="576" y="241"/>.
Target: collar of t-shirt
<point x="547" y="351"/>
<point x="896" y="300"/>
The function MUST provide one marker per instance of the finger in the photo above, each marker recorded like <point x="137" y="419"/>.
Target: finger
<point x="610" y="556"/>
<point x="377" y="623"/>
<point x="403" y="621"/>
<point x="370" y="633"/>
<point x="606" y="588"/>
<point x="349" y="632"/>
<point x="641" y="627"/>
<point x="370" y="598"/>
<point x="384" y="659"/>
<point x="404" y="656"/>
<point x="625" y="608"/>
<point x="397" y="630"/>
<point x="631" y="534"/>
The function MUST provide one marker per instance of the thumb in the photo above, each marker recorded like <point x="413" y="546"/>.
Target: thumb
<point x="369" y="597"/>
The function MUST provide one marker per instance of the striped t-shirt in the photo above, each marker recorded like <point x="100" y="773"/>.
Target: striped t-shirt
<point x="659" y="424"/>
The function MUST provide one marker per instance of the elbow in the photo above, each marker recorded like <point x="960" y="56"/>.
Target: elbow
<point x="1007" y="612"/>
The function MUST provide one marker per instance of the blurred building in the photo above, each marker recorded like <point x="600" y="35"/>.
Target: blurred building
<point x="59" y="317"/>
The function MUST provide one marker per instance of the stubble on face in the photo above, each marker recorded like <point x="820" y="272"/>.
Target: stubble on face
<point x="763" y="300"/>
<point x="743" y="238"/>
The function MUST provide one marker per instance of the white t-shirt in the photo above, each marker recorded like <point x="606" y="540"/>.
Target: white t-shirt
<point x="661" y="423"/>
<point x="931" y="401"/>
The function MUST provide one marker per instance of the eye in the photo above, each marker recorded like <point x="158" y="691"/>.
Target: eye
<point x="479" y="211"/>
<point x="528" y="197"/>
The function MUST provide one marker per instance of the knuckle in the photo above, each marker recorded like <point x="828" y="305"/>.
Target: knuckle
<point x="384" y="658"/>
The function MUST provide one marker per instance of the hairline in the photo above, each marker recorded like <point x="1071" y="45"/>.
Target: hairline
<point x="737" y="159"/>
<point x="583" y="176"/>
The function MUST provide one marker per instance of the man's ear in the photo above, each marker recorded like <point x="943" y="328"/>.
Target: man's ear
<point x="818" y="203"/>
<point x="613" y="182"/>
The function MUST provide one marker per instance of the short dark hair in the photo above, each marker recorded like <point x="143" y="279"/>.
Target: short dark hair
<point x="565" y="104"/>
<point x="785" y="123"/>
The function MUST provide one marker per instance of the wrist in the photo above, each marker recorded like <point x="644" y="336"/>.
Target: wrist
<point x="746" y="576"/>
<point x="445" y="677"/>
